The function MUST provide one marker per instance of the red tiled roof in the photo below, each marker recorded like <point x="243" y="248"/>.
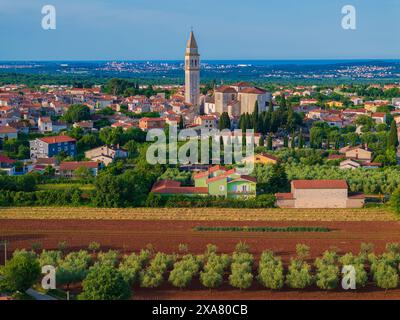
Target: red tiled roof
<point x="4" y="159"/>
<point x="174" y="187"/>
<point x="284" y="196"/>
<point x="222" y="176"/>
<point x="225" y="89"/>
<point x="253" y="90"/>
<point x="73" y="165"/>
<point x="210" y="170"/>
<point x="242" y="84"/>
<point x="46" y="161"/>
<point x="7" y="129"/>
<point x="320" y="184"/>
<point x="151" y="119"/>
<point x="378" y="115"/>
<point x="57" y="139"/>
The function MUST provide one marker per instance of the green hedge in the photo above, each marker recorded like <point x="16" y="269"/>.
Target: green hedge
<point x="68" y="197"/>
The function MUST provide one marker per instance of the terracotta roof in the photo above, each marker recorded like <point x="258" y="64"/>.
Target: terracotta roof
<point x="253" y="90"/>
<point x="226" y="174"/>
<point x="4" y="159"/>
<point x="46" y="161"/>
<point x="73" y="165"/>
<point x="57" y="139"/>
<point x="284" y="196"/>
<point x="226" y="89"/>
<point x="7" y="129"/>
<point x="151" y="119"/>
<point x="174" y="187"/>
<point x="378" y="115"/>
<point x="320" y="184"/>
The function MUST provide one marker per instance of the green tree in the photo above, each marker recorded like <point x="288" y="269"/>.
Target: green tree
<point x="211" y="279"/>
<point x="301" y="140"/>
<point x="224" y="121"/>
<point x="130" y="268"/>
<point x="327" y="277"/>
<point x="104" y="282"/>
<point x="278" y="181"/>
<point x="299" y="275"/>
<point x="21" y="272"/>
<point x="73" y="268"/>
<point x="94" y="246"/>
<point x="270" y="271"/>
<point x="386" y="276"/>
<point x="83" y="173"/>
<point x="77" y="112"/>
<point x="395" y="201"/>
<point x="269" y="142"/>
<point x="393" y="138"/>
<point x="241" y="276"/>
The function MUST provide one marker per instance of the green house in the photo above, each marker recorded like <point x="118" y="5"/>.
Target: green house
<point x="216" y="181"/>
<point x="226" y="183"/>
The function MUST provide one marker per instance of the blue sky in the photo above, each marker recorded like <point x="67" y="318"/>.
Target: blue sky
<point x="225" y="29"/>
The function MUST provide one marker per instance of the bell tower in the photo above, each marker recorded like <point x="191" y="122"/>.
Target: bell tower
<point x="192" y="72"/>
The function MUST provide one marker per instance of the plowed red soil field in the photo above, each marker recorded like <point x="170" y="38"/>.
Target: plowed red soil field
<point x="129" y="235"/>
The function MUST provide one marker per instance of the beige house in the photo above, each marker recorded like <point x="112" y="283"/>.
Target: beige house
<point x="207" y="121"/>
<point x="349" y="164"/>
<point x="319" y="194"/>
<point x="105" y="154"/>
<point x="359" y="153"/>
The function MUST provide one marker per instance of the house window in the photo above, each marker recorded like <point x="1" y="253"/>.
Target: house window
<point x="244" y="188"/>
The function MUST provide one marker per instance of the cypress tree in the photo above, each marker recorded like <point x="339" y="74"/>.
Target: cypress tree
<point x="301" y="140"/>
<point x="255" y="117"/>
<point x="269" y="142"/>
<point x="181" y="123"/>
<point x="293" y="142"/>
<point x="393" y="138"/>
<point x="262" y="141"/>
<point x="285" y="141"/>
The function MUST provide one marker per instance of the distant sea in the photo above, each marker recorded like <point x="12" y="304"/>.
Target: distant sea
<point x="217" y="62"/>
<point x="171" y="71"/>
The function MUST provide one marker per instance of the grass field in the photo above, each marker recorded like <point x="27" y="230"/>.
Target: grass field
<point x="198" y="214"/>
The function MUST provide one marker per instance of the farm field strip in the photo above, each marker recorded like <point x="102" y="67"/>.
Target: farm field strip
<point x="338" y="235"/>
<point x="198" y="214"/>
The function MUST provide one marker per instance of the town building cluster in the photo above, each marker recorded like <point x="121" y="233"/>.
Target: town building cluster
<point x="40" y="111"/>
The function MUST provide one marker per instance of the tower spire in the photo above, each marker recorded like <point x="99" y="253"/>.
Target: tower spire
<point x="192" y="72"/>
<point x="192" y="44"/>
